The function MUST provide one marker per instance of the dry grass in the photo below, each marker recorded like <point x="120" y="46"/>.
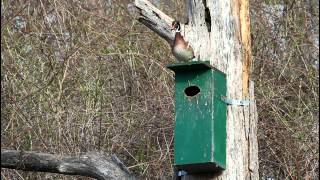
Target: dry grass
<point x="82" y="76"/>
<point x="287" y="88"/>
<point x="77" y="79"/>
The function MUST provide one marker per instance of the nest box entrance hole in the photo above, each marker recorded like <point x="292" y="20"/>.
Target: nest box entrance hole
<point x="192" y="91"/>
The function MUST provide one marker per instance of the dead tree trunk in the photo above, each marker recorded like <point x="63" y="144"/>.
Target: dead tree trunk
<point x="219" y="31"/>
<point x="92" y="164"/>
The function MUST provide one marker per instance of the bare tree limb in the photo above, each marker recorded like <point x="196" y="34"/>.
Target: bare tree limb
<point x="155" y="19"/>
<point x="91" y="164"/>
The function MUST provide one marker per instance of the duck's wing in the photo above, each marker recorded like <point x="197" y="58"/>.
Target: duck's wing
<point x="189" y="48"/>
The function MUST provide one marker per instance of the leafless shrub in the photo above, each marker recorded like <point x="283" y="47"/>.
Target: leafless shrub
<point x="286" y="51"/>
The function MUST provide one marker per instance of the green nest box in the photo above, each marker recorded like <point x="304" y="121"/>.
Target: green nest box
<point x="200" y="118"/>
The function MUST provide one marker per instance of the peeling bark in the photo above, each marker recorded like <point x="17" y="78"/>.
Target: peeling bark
<point x="246" y="44"/>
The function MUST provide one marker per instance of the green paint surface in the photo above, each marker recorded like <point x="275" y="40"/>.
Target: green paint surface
<point x="200" y="120"/>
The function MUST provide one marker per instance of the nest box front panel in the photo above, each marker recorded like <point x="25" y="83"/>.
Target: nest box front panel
<point x="200" y="118"/>
<point x="193" y="118"/>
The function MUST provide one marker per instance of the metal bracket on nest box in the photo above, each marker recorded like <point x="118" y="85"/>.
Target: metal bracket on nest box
<point x="237" y="102"/>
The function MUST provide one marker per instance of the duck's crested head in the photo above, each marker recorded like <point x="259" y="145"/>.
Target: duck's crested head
<point x="176" y="26"/>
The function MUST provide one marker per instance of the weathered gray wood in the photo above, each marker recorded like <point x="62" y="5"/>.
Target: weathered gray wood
<point x="91" y="164"/>
<point x="219" y="31"/>
<point x="155" y="19"/>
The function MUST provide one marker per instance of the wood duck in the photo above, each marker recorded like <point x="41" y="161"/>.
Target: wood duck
<point x="181" y="48"/>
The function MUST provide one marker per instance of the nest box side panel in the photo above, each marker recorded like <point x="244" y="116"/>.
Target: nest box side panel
<point x="220" y="117"/>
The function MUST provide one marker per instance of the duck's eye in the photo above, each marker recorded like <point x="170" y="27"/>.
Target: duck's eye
<point x="177" y="26"/>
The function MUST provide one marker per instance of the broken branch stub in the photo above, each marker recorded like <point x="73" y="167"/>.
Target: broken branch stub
<point x="155" y="19"/>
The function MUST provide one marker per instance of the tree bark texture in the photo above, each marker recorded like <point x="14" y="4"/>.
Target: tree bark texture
<point x="91" y="164"/>
<point x="219" y="31"/>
